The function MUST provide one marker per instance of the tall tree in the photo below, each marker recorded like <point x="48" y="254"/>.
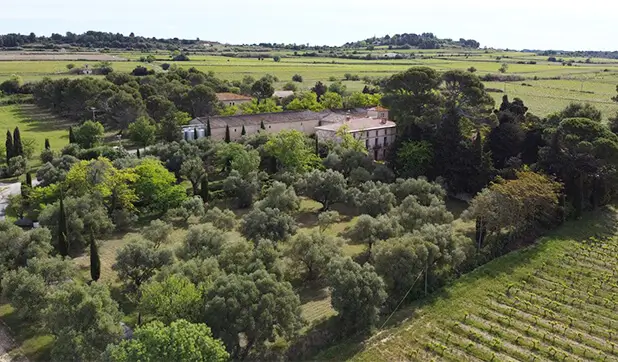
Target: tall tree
<point x="243" y="131"/>
<point x="18" y="147"/>
<point x="227" y="134"/>
<point x="28" y="180"/>
<point x="71" y="135"/>
<point x="262" y="125"/>
<point x="137" y="154"/>
<point x="204" y="188"/>
<point x="47" y="145"/>
<point x="195" y="135"/>
<point x="208" y="130"/>
<point x="9" y="146"/>
<point x="255" y="306"/>
<point x="357" y="294"/>
<point x="319" y="89"/>
<point x="63" y="243"/>
<point x="262" y="89"/>
<point x="95" y="261"/>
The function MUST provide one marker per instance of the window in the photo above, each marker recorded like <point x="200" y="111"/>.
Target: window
<point x="385" y="142"/>
<point x="375" y="141"/>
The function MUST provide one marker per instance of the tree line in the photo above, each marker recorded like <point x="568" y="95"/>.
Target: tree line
<point x="94" y="39"/>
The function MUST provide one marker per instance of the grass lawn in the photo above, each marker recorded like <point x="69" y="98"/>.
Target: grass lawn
<point x="36" y="125"/>
<point x="551" y="301"/>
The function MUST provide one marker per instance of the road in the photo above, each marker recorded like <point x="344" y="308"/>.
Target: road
<point x="7" y="190"/>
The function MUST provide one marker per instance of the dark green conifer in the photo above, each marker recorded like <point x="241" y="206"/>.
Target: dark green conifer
<point x="227" y="134"/>
<point x="63" y="243"/>
<point x="9" y="146"/>
<point x="95" y="261"/>
<point x="204" y="189"/>
<point x="207" y="128"/>
<point x="71" y="135"/>
<point x="18" y="148"/>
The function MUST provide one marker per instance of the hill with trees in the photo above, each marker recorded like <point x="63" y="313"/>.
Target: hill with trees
<point x="419" y="41"/>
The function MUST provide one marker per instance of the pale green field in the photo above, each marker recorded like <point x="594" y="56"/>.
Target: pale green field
<point x="594" y="82"/>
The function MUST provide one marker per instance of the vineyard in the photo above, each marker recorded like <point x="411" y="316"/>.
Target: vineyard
<point x="554" y="301"/>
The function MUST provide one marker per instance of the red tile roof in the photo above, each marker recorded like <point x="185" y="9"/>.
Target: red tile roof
<point x="222" y="97"/>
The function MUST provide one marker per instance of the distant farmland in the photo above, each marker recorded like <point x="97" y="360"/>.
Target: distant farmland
<point x="544" y="86"/>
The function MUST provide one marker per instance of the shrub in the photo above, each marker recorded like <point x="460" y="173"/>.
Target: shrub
<point x="17" y="166"/>
<point x="297" y="78"/>
<point x="47" y="156"/>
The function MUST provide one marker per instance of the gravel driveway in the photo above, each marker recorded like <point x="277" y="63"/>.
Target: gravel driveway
<point x="5" y="191"/>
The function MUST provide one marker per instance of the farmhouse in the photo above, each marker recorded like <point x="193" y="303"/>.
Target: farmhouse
<point x="232" y="99"/>
<point x="377" y="133"/>
<point x="303" y="121"/>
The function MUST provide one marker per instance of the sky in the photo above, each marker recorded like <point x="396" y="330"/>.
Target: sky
<point x="518" y="24"/>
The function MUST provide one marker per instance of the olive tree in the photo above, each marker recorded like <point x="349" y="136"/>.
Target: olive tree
<point x="326" y="187"/>
<point x="313" y="251"/>
<point x="357" y="294"/>
<point x="254" y="307"/>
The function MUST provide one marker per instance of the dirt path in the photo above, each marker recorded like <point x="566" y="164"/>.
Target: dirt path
<point x="7" y="345"/>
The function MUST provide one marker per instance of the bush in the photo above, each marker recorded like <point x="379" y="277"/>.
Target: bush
<point x="71" y="149"/>
<point x="123" y="219"/>
<point x="277" y="58"/>
<point x="47" y="156"/>
<point x="332" y="78"/>
<point x="165" y="66"/>
<point x="141" y="71"/>
<point x="221" y="219"/>
<point x="17" y="166"/>
<point x="290" y="87"/>
<point x="181" y="58"/>
<point x="297" y="78"/>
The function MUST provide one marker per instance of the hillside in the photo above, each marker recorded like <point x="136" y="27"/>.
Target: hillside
<point x="419" y="41"/>
<point x="552" y="301"/>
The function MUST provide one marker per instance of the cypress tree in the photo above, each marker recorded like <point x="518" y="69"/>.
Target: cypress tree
<point x="195" y="133"/>
<point x="63" y="244"/>
<point x="208" y="127"/>
<point x="47" y="146"/>
<point x="262" y="125"/>
<point x="18" y="148"/>
<point x="71" y="135"/>
<point x="227" y="133"/>
<point x="317" y="146"/>
<point x="95" y="260"/>
<point x="9" y="146"/>
<point x="204" y="189"/>
<point x="243" y="132"/>
<point x="138" y="155"/>
<point x="28" y="179"/>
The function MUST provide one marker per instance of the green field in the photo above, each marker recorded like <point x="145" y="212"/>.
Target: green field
<point x="35" y="124"/>
<point x="555" y="300"/>
<point x="554" y="87"/>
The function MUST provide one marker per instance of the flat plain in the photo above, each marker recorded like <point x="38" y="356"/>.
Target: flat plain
<point x="544" y="86"/>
